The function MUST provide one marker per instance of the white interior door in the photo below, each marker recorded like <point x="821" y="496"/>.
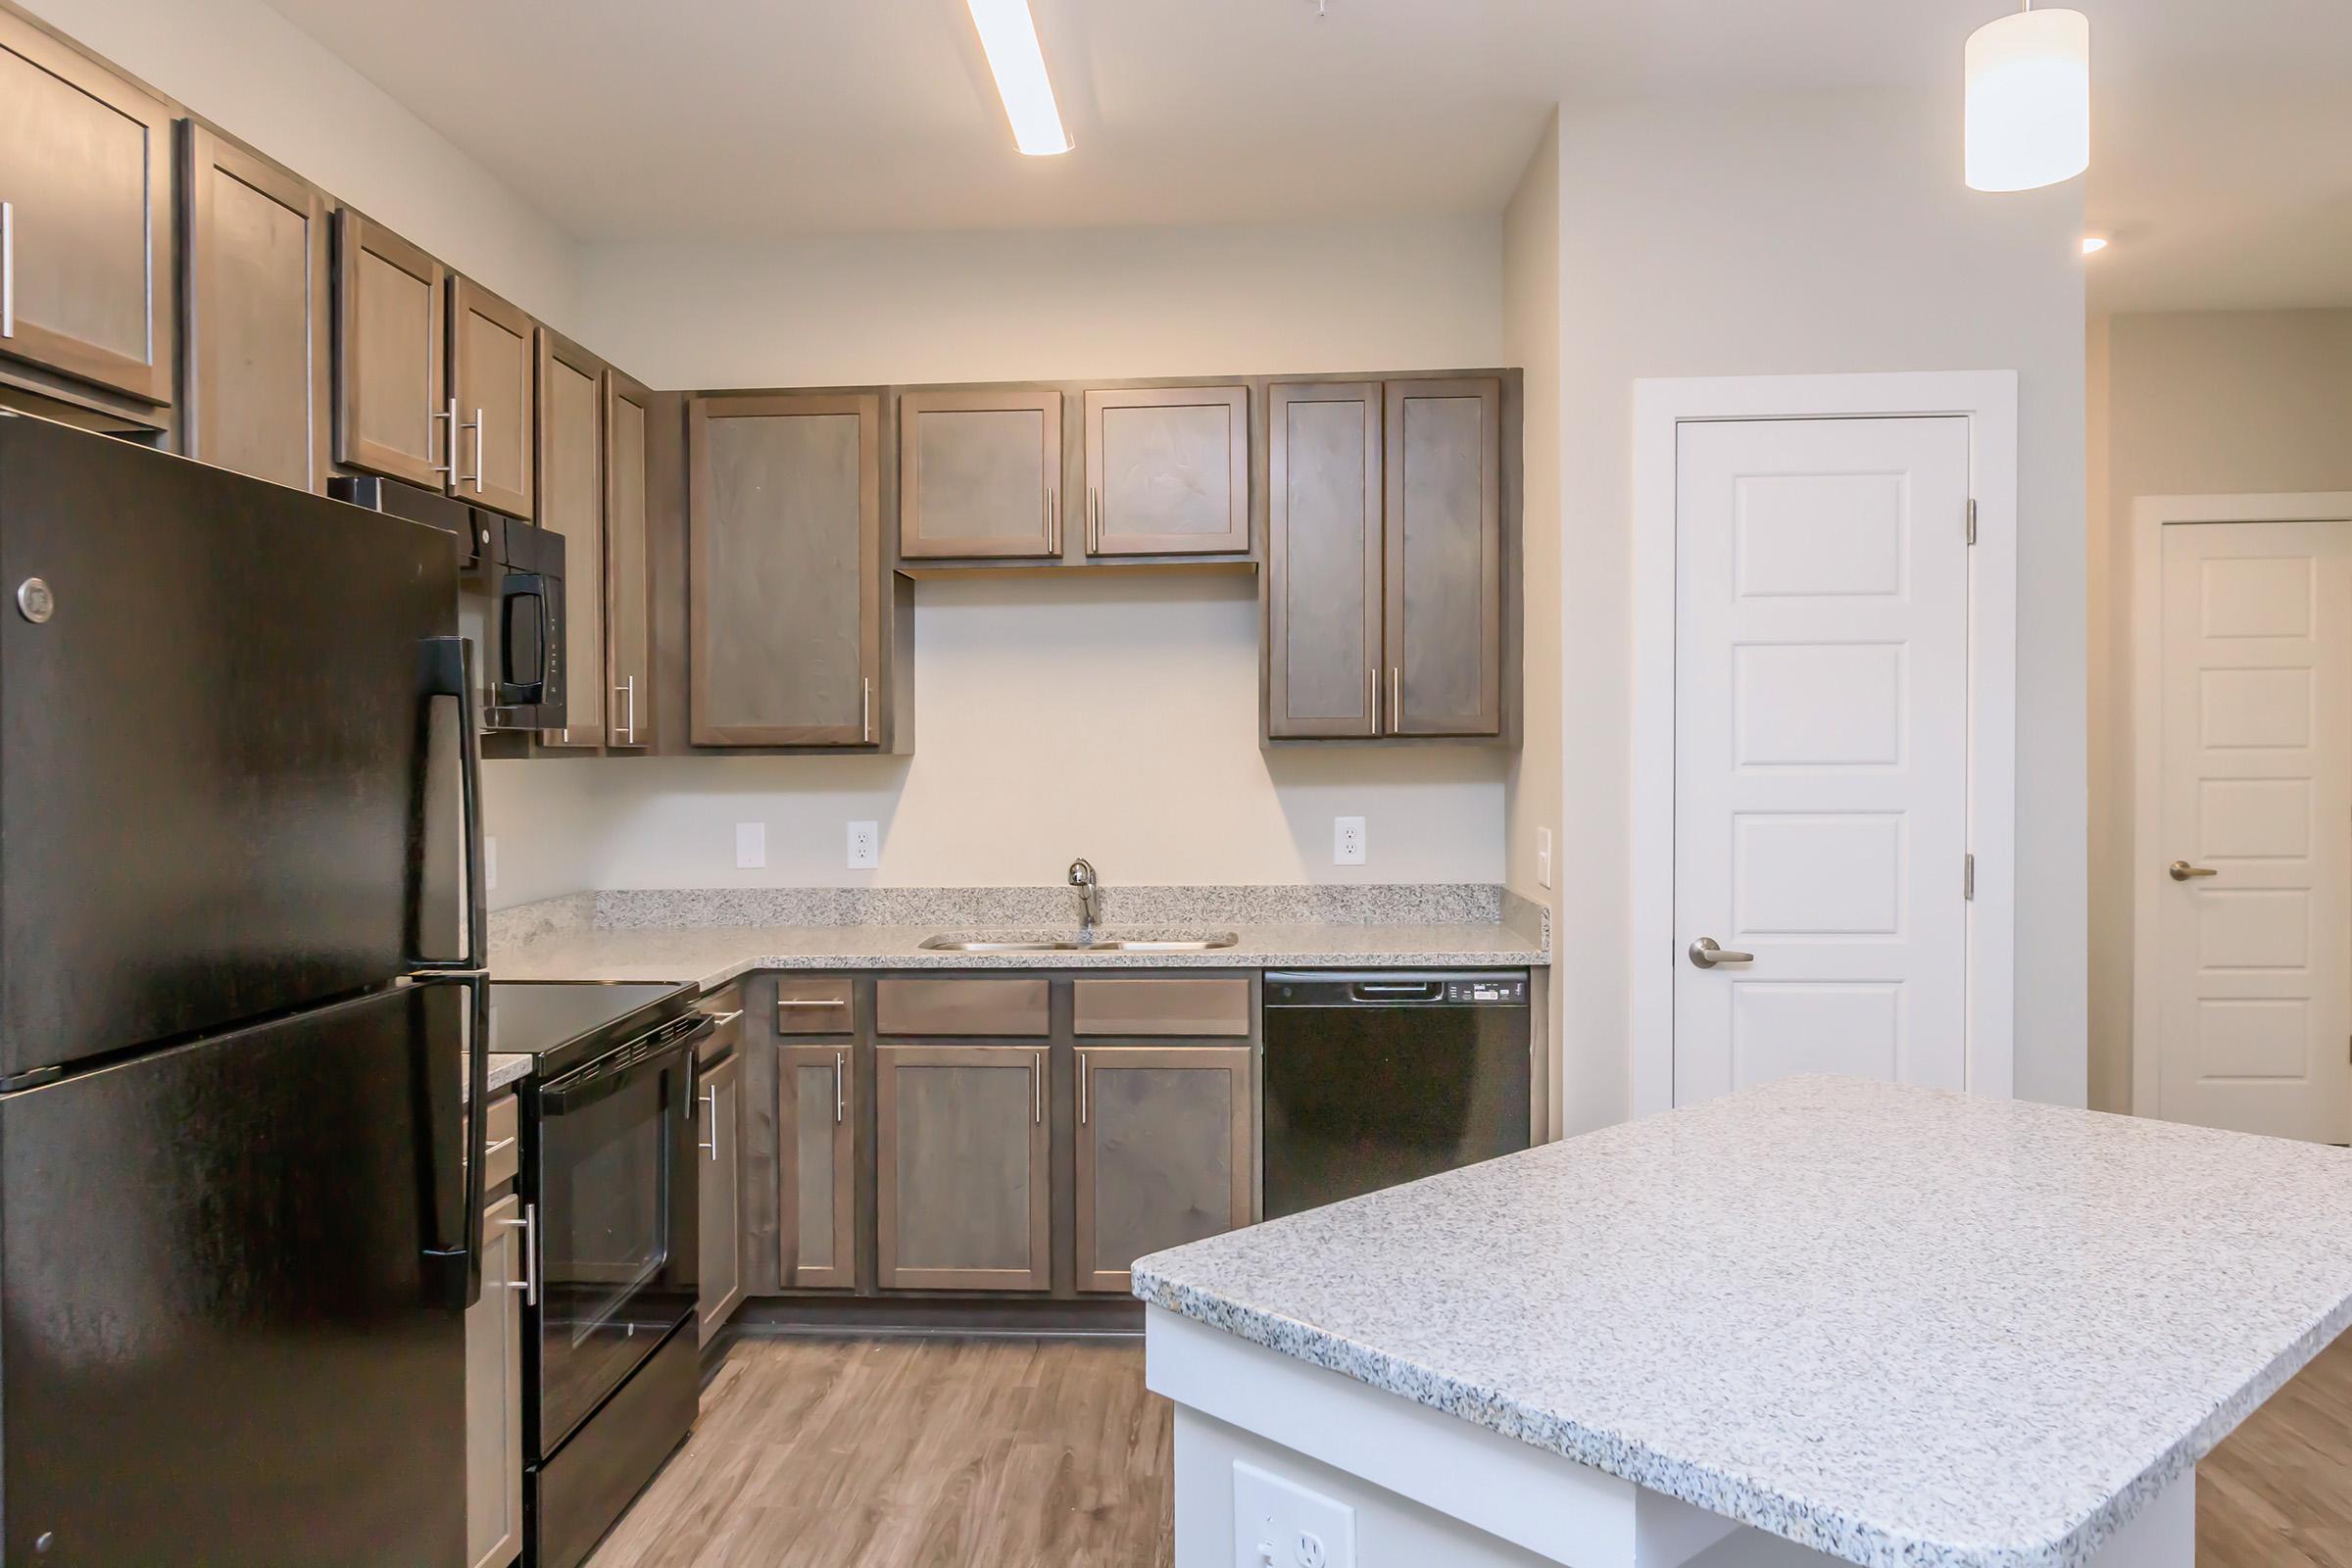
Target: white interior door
<point x="1821" y="751"/>
<point x="2254" y="998"/>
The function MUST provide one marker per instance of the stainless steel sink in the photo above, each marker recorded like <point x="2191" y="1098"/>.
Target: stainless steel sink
<point x="953" y="942"/>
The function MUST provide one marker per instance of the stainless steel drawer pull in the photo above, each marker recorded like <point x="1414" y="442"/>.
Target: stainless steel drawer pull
<point x="839" y="1096"/>
<point x="503" y="1143"/>
<point x="529" y="1226"/>
<point x="811" y="1002"/>
<point x="710" y="1103"/>
<point x="722" y="1019"/>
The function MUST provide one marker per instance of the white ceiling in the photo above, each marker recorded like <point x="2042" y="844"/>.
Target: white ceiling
<point x="2223" y="161"/>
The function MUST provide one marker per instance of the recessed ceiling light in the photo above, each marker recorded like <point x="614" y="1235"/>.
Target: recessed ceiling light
<point x="2028" y="94"/>
<point x="2093" y="244"/>
<point x="1008" y="36"/>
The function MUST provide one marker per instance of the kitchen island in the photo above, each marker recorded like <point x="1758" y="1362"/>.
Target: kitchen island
<point x="1820" y="1321"/>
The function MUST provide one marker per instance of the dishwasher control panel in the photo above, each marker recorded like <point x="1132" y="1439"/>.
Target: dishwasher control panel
<point x="1482" y="990"/>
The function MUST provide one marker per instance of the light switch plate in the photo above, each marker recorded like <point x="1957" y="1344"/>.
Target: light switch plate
<point x="750" y="845"/>
<point x="1346" y="841"/>
<point x="1543" y="857"/>
<point x="1278" y="1521"/>
<point x="865" y="846"/>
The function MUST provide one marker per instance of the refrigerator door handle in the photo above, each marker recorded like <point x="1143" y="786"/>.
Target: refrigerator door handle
<point x="454" y="1197"/>
<point x="448" y="671"/>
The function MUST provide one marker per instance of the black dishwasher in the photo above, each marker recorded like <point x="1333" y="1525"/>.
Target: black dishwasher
<point x="1374" y="1079"/>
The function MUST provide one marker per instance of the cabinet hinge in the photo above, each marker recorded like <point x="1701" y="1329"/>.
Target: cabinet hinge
<point x="1968" y="876"/>
<point x="1972" y="519"/>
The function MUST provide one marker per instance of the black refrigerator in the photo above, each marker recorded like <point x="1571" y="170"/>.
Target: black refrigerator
<point x="240" y="1013"/>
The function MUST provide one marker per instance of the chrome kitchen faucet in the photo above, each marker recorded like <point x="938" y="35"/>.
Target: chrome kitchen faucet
<point x="1090" y="896"/>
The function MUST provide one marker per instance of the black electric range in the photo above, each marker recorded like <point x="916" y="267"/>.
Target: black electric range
<point x="609" y="1190"/>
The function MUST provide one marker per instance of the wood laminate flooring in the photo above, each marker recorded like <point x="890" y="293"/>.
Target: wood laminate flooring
<point x="1048" y="1453"/>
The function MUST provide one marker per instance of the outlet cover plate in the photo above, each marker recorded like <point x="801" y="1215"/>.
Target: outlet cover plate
<point x="1276" y="1519"/>
<point x="865" y="846"/>
<point x="1543" y="857"/>
<point x="1346" y="841"/>
<point x="750" y="845"/>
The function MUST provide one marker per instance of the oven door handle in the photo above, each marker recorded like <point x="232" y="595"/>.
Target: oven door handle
<point x="601" y="1080"/>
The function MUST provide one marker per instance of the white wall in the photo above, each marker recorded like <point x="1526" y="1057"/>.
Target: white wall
<point x="1110" y="717"/>
<point x="2189" y="403"/>
<point x="251" y="72"/>
<point x="1828" y="232"/>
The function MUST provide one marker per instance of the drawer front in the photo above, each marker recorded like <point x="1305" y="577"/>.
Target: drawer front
<point x="820" y="1004"/>
<point x="1196" y="1009"/>
<point x="726" y="1006"/>
<point x="959" y="1007"/>
<point x="502" y="1160"/>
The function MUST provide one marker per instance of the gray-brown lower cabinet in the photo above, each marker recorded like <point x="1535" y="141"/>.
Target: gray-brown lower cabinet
<point x="816" y="1166"/>
<point x="1163" y="1151"/>
<point x="719" y="1139"/>
<point x="494" y="1394"/>
<point x="963" y="1177"/>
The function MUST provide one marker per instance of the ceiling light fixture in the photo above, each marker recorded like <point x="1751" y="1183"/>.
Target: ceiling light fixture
<point x="2029" y="100"/>
<point x="2093" y="244"/>
<point x="1008" y="36"/>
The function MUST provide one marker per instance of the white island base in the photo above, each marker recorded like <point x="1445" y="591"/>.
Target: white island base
<point x="1421" y="1489"/>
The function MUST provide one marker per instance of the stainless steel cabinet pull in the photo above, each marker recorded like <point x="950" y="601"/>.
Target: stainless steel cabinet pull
<point x="1396" y="699"/>
<point x="475" y="477"/>
<point x="1094" y="521"/>
<point x="481" y="450"/>
<point x="865" y="707"/>
<point x="503" y="1143"/>
<point x="722" y="1019"/>
<point x="1082" y="1089"/>
<point x="8" y="269"/>
<point x="1372" y="689"/>
<point x="629" y="688"/>
<point x="711" y="1100"/>
<point x="1052" y="524"/>
<point x="529" y="1226"/>
<point x="450" y="451"/>
<point x="840" y="1099"/>
<point x="811" y="1002"/>
<point x="1706" y="955"/>
<point x="1037" y="1087"/>
<point x="2182" y="870"/>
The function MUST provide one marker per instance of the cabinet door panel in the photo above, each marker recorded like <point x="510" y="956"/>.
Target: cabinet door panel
<point x="1167" y="471"/>
<point x="1323" y="560"/>
<point x="571" y="502"/>
<point x="818" y="1168"/>
<point x="1445" y="555"/>
<point x="492" y="375"/>
<point x="255" y="331"/>
<point x="719" y="1122"/>
<point x="785" y="605"/>
<point x="389" y="415"/>
<point x="962" y="1168"/>
<point x="86" y="168"/>
<point x="1163" y="1152"/>
<point x="628" y="569"/>
<point x="494" y="1394"/>
<point x="979" y="474"/>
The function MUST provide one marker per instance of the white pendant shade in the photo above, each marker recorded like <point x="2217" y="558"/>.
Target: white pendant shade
<point x="2029" y="100"/>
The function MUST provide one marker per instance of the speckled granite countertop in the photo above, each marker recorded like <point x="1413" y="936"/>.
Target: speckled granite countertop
<point x="1903" y="1327"/>
<point x="716" y="954"/>
<point x="508" y="1069"/>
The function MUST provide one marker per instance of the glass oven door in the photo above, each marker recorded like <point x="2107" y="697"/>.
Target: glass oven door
<point x="615" y="1222"/>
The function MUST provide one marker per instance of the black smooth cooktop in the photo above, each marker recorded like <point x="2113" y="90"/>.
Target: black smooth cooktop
<point x="563" y="1022"/>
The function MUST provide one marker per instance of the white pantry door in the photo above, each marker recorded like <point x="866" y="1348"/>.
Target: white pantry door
<point x="1821" y="751"/>
<point x="2254" y="1003"/>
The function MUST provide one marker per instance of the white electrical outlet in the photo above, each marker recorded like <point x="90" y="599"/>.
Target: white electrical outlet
<point x="1346" y="841"/>
<point x="865" y="846"/>
<point x="1276" y="1520"/>
<point x="750" y="845"/>
<point x="1543" y="857"/>
<point x="489" y="864"/>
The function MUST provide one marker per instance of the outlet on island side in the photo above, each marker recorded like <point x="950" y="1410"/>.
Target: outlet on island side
<point x="1346" y="841"/>
<point x="865" y="846"/>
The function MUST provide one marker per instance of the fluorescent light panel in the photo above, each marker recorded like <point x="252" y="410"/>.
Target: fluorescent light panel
<point x="1008" y="36"/>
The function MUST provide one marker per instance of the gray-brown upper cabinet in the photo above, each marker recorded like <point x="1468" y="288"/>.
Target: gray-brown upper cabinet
<point x="816" y="1166"/>
<point x="85" y="215"/>
<point x="392" y="413"/>
<point x="571" y="502"/>
<point x="1384" y="583"/>
<point x="628" y="564"/>
<point x="256" y="329"/>
<point x="1167" y="471"/>
<point x="785" y="573"/>
<point x="980" y="473"/>
<point x="1163" y="1151"/>
<point x="1323" y="560"/>
<point x="963" y="1173"/>
<point x="493" y="379"/>
<point x="1444" y="614"/>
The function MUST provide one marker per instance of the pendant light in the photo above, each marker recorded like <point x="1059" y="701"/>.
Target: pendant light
<point x="2029" y="100"/>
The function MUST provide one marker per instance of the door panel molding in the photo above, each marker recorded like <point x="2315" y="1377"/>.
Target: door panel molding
<point x="1987" y="399"/>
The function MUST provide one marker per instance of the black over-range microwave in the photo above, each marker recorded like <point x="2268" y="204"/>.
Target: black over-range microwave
<point x="510" y="598"/>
